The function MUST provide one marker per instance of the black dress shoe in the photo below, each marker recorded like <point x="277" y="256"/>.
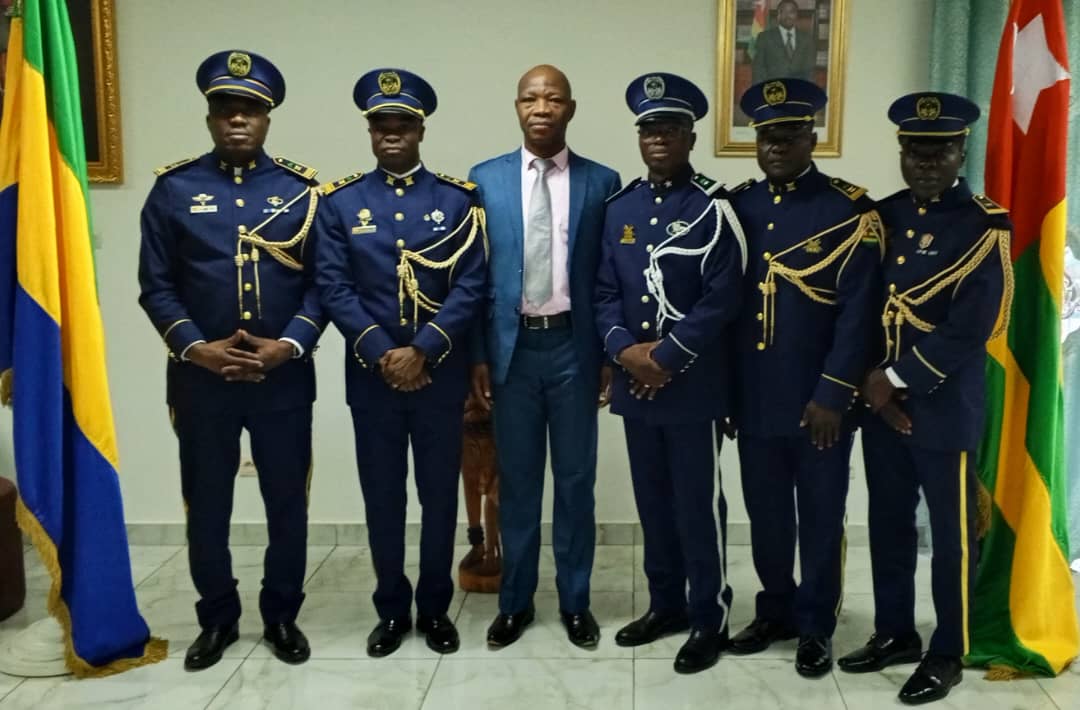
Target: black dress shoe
<point x="700" y="650"/>
<point x="581" y="629"/>
<point x="386" y="637"/>
<point x="813" y="658"/>
<point x="759" y="635"/>
<point x="932" y="680"/>
<point x="287" y="642"/>
<point x="208" y="647"/>
<point x="442" y="636"/>
<point x="650" y="627"/>
<point x="881" y="651"/>
<point x="507" y="628"/>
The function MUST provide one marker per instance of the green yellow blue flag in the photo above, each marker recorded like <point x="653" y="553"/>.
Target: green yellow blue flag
<point x="1023" y="613"/>
<point x="52" y="353"/>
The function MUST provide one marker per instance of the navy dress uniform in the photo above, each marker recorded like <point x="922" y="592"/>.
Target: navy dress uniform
<point x="402" y="261"/>
<point x="227" y="247"/>
<point x="815" y="249"/>
<point x="948" y="277"/>
<point x="672" y="258"/>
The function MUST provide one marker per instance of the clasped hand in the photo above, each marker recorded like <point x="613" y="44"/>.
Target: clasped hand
<point x="647" y="376"/>
<point x="404" y="369"/>
<point x="242" y="357"/>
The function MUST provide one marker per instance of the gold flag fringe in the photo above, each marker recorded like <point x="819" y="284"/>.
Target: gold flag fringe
<point x="983" y="508"/>
<point x="999" y="671"/>
<point x="156" y="649"/>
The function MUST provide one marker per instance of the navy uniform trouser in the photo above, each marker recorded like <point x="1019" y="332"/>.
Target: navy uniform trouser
<point x="209" y="459"/>
<point x="382" y="447"/>
<point x="895" y="471"/>
<point x="674" y="472"/>
<point x="546" y="396"/>
<point x="793" y="490"/>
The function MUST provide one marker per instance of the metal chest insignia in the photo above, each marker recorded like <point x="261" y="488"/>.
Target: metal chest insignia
<point x="628" y="235"/>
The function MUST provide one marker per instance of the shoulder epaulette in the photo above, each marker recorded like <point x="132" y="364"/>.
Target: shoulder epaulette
<point x="165" y="169"/>
<point x="705" y="184"/>
<point x="988" y="205"/>
<point x="742" y="185"/>
<point x="463" y="184"/>
<point x="853" y="192"/>
<point x="294" y="167"/>
<point x="626" y="188"/>
<point x="348" y="179"/>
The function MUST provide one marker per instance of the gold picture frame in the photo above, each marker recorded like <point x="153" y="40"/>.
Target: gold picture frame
<point x="821" y="25"/>
<point x="93" y="24"/>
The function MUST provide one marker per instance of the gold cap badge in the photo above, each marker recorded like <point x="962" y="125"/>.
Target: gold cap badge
<point x="239" y="64"/>
<point x="775" y="93"/>
<point x="928" y="108"/>
<point x="389" y="83"/>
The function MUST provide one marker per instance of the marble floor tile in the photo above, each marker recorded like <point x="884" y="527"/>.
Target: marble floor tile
<point x="337" y="625"/>
<point x="866" y="690"/>
<point x="613" y="569"/>
<point x="349" y="569"/>
<point x="170" y="614"/>
<point x="145" y="561"/>
<point x="531" y="684"/>
<point x="247" y="563"/>
<point x="1065" y="689"/>
<point x="384" y="684"/>
<point x="164" y="685"/>
<point x="733" y="684"/>
<point x="545" y="637"/>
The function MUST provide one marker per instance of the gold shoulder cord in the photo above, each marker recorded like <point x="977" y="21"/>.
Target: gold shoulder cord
<point x="900" y="307"/>
<point x="277" y="249"/>
<point x="869" y="225"/>
<point x="409" y="285"/>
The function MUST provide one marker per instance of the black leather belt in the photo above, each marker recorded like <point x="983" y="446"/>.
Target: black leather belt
<point x="559" y="320"/>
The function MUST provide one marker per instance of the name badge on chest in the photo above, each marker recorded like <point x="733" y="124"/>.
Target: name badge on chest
<point x="202" y="208"/>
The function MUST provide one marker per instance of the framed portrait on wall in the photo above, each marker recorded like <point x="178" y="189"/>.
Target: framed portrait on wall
<point x="772" y="39"/>
<point x="94" y="29"/>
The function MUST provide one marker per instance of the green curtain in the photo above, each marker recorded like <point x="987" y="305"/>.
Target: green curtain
<point x="963" y="56"/>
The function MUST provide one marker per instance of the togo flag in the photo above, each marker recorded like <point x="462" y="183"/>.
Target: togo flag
<point x="1023" y="613"/>
<point x="52" y="353"/>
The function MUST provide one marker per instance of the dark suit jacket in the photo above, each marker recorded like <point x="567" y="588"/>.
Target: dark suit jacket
<point x="500" y="191"/>
<point x="771" y="60"/>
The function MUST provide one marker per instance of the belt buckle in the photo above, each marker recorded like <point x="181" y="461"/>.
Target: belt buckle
<point x="545" y="322"/>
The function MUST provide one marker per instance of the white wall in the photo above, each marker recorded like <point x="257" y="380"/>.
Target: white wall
<point x="473" y="53"/>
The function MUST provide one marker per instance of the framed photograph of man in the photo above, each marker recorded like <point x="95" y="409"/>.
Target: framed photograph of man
<point x="772" y="39"/>
<point x="93" y="26"/>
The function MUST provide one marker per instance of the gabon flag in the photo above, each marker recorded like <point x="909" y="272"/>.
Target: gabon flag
<point x="52" y="353"/>
<point x="1023" y="614"/>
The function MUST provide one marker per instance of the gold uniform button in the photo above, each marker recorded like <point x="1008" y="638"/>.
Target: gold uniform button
<point x="922" y="210"/>
<point x="238" y="180"/>
<point x="400" y="243"/>
<point x="910" y="233"/>
<point x="239" y="201"/>
<point x="645" y="325"/>
<point x="404" y="321"/>
<point x="644" y="299"/>
<point x="900" y="260"/>
<point x="247" y="257"/>
<point x="242" y="229"/>
<point x="648" y="247"/>
<point x="398" y="216"/>
<point x="776" y="200"/>
<point x="654" y="220"/>
<point x="658" y="200"/>
<point x="400" y="192"/>
<point x="761" y="346"/>
<point x="247" y="315"/>
<point x="892" y="288"/>
<point x="761" y="316"/>
<point x="247" y="287"/>
<point x="770" y="226"/>
<point x="766" y="256"/>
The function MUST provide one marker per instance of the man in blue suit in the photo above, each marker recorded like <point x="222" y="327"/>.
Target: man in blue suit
<point x="536" y="353"/>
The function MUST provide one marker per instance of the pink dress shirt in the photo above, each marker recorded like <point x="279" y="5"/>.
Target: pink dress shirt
<point x="558" y="180"/>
